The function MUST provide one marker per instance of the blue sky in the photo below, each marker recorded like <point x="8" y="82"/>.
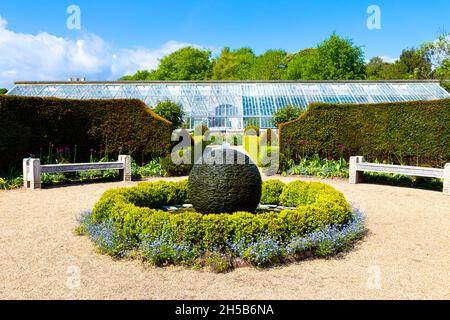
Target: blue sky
<point x="111" y="30"/>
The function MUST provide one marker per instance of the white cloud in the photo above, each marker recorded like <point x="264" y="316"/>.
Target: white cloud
<point x="48" y="57"/>
<point x="388" y="59"/>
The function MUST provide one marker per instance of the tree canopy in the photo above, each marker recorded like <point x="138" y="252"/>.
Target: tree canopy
<point x="413" y="64"/>
<point x="170" y="111"/>
<point x="185" y="64"/>
<point x="269" y="66"/>
<point x="336" y="58"/>
<point x="234" y="65"/>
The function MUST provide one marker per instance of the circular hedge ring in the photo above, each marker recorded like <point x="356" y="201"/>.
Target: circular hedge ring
<point x="130" y="219"/>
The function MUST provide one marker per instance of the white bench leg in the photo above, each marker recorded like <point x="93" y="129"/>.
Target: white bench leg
<point x="126" y="172"/>
<point x="355" y="176"/>
<point x="447" y="179"/>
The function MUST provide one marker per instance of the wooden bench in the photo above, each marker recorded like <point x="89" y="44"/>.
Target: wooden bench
<point x="358" y="167"/>
<point x="32" y="169"/>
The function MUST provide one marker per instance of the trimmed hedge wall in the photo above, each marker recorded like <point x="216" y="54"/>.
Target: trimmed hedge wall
<point x="408" y="133"/>
<point x="29" y="124"/>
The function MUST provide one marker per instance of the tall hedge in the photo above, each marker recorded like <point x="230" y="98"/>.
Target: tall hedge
<point x="30" y="125"/>
<point x="407" y="133"/>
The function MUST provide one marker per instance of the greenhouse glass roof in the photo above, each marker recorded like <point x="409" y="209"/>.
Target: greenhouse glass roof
<point x="234" y="104"/>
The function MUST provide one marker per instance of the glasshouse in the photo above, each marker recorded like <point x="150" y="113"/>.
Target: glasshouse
<point x="237" y="104"/>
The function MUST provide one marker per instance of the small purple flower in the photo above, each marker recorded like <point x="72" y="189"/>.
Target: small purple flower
<point x="330" y="158"/>
<point x="91" y="150"/>
<point x="102" y="145"/>
<point x="303" y="142"/>
<point x="340" y="146"/>
<point x="162" y="145"/>
<point x="60" y="150"/>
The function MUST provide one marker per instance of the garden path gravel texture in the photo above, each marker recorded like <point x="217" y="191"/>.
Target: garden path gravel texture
<point x="405" y="255"/>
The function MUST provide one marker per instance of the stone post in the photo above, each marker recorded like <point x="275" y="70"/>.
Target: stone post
<point x="447" y="179"/>
<point x="25" y="164"/>
<point x="32" y="173"/>
<point x="126" y="172"/>
<point x="355" y="176"/>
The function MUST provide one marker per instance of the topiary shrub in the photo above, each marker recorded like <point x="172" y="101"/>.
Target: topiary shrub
<point x="251" y="131"/>
<point x="226" y="181"/>
<point x="407" y="133"/>
<point x="174" y="170"/>
<point x="271" y="191"/>
<point x="28" y="125"/>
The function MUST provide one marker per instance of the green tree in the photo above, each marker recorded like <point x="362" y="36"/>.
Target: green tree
<point x="185" y="64"/>
<point x="171" y="111"/>
<point x="376" y="68"/>
<point x="269" y="66"/>
<point x="337" y="59"/>
<point x="417" y="64"/>
<point x="234" y="65"/>
<point x="438" y="53"/>
<point x="3" y="91"/>
<point x="140" y="75"/>
<point x="286" y="114"/>
<point x="298" y="64"/>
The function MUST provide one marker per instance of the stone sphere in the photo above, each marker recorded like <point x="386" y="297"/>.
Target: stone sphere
<point x="226" y="181"/>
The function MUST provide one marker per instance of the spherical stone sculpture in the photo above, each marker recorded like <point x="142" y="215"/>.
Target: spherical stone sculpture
<point x="226" y="181"/>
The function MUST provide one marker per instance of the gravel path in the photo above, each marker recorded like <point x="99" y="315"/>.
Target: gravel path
<point x="405" y="256"/>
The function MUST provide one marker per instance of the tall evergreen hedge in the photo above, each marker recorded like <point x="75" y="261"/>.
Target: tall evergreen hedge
<point x="31" y="125"/>
<point x="407" y="133"/>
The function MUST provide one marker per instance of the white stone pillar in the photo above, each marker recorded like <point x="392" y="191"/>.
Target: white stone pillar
<point x="34" y="173"/>
<point x="25" y="164"/>
<point x="126" y="172"/>
<point x="447" y="179"/>
<point x="355" y="176"/>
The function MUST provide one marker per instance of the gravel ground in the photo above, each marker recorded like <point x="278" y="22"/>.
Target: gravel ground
<point x="405" y="255"/>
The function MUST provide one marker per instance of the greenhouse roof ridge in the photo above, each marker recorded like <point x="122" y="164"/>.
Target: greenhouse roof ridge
<point x="222" y="82"/>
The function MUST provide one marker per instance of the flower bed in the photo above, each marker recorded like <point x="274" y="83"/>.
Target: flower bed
<point x="130" y="221"/>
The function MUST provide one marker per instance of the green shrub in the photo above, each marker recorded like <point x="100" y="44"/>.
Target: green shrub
<point x="407" y="133"/>
<point x="218" y="262"/>
<point x="271" y="191"/>
<point x="135" y="211"/>
<point x="286" y="114"/>
<point x="124" y="126"/>
<point x="174" y="170"/>
<point x="171" y="111"/>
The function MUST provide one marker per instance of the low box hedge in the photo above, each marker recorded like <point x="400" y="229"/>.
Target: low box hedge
<point x="136" y="211"/>
<point x="28" y="125"/>
<point x="407" y="133"/>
